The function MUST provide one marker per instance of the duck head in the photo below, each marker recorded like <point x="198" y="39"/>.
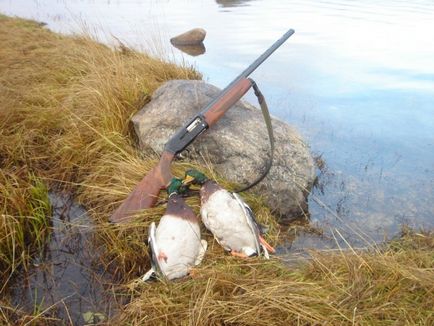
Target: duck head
<point x="208" y="187"/>
<point x="175" y="187"/>
<point x="176" y="205"/>
<point x="194" y="177"/>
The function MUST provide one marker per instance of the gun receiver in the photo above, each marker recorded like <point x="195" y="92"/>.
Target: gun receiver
<point x="145" y="194"/>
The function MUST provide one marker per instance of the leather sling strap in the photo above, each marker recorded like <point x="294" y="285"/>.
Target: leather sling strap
<point x="267" y="119"/>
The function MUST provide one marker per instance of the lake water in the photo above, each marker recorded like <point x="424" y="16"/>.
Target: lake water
<point x="356" y="79"/>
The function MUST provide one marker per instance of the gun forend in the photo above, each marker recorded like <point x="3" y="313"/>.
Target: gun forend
<point x="224" y="102"/>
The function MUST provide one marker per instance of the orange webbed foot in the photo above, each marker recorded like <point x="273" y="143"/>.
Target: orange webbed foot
<point x="238" y="254"/>
<point x="267" y="245"/>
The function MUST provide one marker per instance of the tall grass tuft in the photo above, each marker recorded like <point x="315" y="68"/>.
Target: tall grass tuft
<point x="25" y="213"/>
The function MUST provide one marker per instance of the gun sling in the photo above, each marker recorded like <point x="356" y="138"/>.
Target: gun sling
<point x="267" y="119"/>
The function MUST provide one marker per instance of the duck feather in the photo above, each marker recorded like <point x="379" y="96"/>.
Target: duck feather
<point x="229" y="222"/>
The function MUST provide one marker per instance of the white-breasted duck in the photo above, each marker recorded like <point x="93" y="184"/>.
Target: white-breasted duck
<point x="229" y="218"/>
<point x="175" y="245"/>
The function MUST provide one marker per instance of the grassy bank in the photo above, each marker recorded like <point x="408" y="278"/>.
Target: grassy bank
<point x="65" y="106"/>
<point x="66" y="103"/>
<point x="391" y="286"/>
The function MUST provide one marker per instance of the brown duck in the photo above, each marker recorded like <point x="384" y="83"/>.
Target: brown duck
<point x="176" y="244"/>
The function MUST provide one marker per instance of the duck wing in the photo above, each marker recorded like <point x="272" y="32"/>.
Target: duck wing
<point x="250" y="220"/>
<point x="202" y="250"/>
<point x="154" y="250"/>
<point x="262" y="228"/>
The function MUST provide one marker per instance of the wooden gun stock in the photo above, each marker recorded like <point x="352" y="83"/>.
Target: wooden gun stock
<point x="145" y="194"/>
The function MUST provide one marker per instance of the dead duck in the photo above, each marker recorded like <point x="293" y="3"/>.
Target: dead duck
<point x="175" y="245"/>
<point x="229" y="218"/>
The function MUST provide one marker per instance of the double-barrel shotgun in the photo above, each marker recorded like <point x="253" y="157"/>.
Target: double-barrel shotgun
<point x="145" y="194"/>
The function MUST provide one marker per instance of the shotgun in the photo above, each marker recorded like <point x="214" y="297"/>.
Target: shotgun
<point x="145" y="194"/>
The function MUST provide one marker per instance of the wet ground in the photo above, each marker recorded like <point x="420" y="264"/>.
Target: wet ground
<point x="66" y="281"/>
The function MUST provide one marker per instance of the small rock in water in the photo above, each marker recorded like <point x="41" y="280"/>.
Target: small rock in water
<point x="191" y="37"/>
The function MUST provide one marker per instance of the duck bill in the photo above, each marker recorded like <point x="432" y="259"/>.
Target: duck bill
<point x="188" y="180"/>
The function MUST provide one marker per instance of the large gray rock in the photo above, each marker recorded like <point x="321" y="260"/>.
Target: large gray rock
<point x="237" y="145"/>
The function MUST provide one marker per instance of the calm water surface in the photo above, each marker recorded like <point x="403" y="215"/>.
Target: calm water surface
<point x="357" y="80"/>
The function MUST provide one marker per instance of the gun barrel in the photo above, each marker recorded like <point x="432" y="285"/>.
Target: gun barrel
<point x="252" y="67"/>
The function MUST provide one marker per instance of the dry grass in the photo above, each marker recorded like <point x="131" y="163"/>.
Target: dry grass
<point x="65" y="106"/>
<point x="391" y="286"/>
<point x="66" y="103"/>
<point x="70" y="99"/>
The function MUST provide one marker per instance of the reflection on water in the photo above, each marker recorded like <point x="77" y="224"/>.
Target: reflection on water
<point x="63" y="282"/>
<point x="193" y="50"/>
<point x="232" y="3"/>
<point x="357" y="79"/>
